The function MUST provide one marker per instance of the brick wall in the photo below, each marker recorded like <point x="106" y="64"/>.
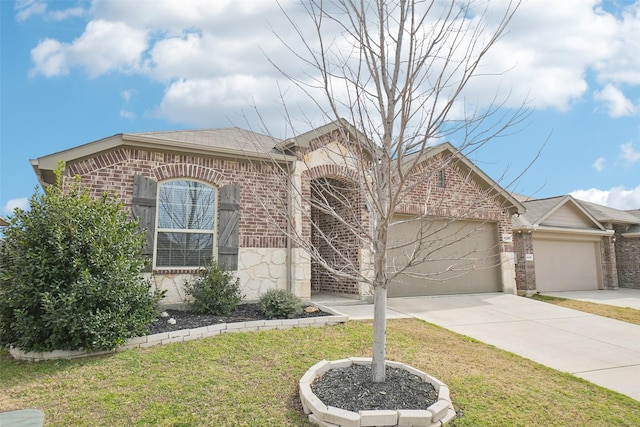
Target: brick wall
<point x="336" y="243"/>
<point x="262" y="188"/>
<point x="461" y="197"/>
<point x="609" y="263"/>
<point x="525" y="270"/>
<point x="627" y="260"/>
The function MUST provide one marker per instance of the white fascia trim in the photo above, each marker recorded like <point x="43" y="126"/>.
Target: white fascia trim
<point x="562" y="230"/>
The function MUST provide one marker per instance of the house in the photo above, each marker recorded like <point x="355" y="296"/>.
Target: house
<point x="564" y="244"/>
<point x="229" y="194"/>
<point x="3" y="222"/>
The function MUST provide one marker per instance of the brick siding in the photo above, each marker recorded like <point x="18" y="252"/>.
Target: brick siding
<point x="525" y="270"/>
<point x="461" y="197"/>
<point x="627" y="260"/>
<point x="262" y="192"/>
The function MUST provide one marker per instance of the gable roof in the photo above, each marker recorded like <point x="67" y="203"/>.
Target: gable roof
<point x="240" y="143"/>
<point x="607" y="214"/>
<point x="227" y="142"/>
<point x="540" y="215"/>
<point x="342" y="125"/>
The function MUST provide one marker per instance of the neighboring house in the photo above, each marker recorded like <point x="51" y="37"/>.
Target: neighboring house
<point x="224" y="181"/>
<point x="3" y="222"/>
<point x="564" y="244"/>
<point x="626" y="225"/>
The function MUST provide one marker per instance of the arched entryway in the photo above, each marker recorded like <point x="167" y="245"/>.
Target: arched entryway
<point x="337" y="223"/>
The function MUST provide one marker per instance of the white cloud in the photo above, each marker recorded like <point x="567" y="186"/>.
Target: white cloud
<point x="61" y="15"/>
<point x="616" y="197"/>
<point x="622" y="65"/>
<point x="128" y="115"/>
<point x="28" y="8"/>
<point x="629" y="154"/>
<point x="193" y="43"/>
<point x="127" y="94"/>
<point x="200" y="101"/>
<point x="103" y="47"/>
<point x="615" y="101"/>
<point x="11" y="205"/>
<point x="25" y="9"/>
<point x="599" y="164"/>
<point x="49" y="58"/>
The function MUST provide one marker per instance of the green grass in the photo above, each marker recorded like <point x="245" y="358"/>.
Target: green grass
<point x="626" y="314"/>
<point x="250" y="379"/>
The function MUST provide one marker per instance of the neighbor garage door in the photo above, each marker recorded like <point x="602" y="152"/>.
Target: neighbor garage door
<point x="467" y="260"/>
<point x="566" y="265"/>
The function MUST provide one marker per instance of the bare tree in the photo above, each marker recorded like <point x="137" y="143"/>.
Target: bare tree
<point x="392" y="76"/>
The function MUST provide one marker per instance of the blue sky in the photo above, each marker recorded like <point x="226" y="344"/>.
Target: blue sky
<point x="73" y="72"/>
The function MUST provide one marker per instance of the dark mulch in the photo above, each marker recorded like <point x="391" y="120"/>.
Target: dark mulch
<point x="191" y="320"/>
<point x="353" y="390"/>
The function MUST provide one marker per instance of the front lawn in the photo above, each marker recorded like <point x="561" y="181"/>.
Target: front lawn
<point x="626" y="314"/>
<point x="250" y="379"/>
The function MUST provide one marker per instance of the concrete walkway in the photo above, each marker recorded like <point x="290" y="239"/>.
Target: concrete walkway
<point x="601" y="350"/>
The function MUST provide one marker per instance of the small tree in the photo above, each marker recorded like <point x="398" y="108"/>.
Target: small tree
<point x="392" y="77"/>
<point x="70" y="273"/>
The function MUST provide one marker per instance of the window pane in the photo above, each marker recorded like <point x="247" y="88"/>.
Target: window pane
<point x="187" y="205"/>
<point x="183" y="249"/>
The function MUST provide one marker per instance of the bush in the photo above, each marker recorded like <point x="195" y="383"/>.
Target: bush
<point x="70" y="274"/>
<point x="215" y="291"/>
<point x="280" y="304"/>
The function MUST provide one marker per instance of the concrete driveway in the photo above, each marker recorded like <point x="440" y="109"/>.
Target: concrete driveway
<point x="601" y="350"/>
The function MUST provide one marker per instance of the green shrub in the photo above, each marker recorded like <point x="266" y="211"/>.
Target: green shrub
<point x="280" y="304"/>
<point x="70" y="274"/>
<point x="214" y="291"/>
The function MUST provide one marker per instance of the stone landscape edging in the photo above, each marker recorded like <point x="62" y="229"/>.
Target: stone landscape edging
<point x="438" y="414"/>
<point x="189" y="334"/>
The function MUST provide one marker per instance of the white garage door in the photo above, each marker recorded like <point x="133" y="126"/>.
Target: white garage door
<point x="566" y="265"/>
<point x="463" y="257"/>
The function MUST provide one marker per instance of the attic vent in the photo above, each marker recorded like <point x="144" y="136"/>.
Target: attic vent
<point x="441" y="178"/>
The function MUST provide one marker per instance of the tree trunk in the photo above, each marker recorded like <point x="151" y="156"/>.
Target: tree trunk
<point x="379" y="334"/>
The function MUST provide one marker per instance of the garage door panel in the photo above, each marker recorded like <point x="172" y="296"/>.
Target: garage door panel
<point x="461" y="258"/>
<point x="566" y="265"/>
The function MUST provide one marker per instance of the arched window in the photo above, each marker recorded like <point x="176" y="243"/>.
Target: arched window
<point x="186" y="222"/>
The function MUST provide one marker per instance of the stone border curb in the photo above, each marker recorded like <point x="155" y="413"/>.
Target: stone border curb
<point x="438" y="414"/>
<point x="183" y="335"/>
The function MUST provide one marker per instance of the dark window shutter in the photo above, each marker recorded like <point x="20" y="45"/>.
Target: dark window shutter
<point x="144" y="208"/>
<point x="228" y="226"/>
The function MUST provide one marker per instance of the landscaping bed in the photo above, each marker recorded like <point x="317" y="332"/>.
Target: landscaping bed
<point x="243" y="313"/>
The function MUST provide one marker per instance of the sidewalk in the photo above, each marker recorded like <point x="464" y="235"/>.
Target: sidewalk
<point x="603" y="351"/>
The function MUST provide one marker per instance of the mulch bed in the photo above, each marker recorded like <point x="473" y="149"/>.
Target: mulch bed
<point x="191" y="320"/>
<point x="352" y="389"/>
